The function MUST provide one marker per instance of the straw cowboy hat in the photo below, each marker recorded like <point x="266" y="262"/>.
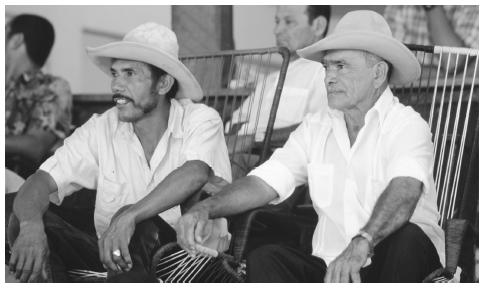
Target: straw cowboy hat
<point x="367" y="30"/>
<point x="153" y="44"/>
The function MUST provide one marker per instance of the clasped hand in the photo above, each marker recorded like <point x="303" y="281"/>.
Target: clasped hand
<point x="195" y="229"/>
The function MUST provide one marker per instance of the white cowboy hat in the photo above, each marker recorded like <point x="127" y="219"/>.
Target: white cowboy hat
<point x="367" y="30"/>
<point x="153" y="44"/>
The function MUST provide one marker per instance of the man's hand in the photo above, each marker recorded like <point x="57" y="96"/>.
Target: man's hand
<point x="113" y="244"/>
<point x="345" y="268"/>
<point x="30" y="253"/>
<point x="193" y="227"/>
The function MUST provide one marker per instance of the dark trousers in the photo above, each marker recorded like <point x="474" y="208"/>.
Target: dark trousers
<point x="74" y="248"/>
<point x="407" y="255"/>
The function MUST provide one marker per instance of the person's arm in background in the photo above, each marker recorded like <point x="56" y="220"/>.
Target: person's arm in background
<point x="33" y="146"/>
<point x="443" y="33"/>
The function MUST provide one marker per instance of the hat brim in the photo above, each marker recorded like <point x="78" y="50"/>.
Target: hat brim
<point x="103" y="57"/>
<point x="406" y="67"/>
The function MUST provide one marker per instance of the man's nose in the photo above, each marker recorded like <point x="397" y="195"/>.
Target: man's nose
<point x="116" y="85"/>
<point x="279" y="28"/>
<point x="330" y="77"/>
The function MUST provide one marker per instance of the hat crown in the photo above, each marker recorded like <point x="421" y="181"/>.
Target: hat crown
<point x="155" y="35"/>
<point x="364" y="21"/>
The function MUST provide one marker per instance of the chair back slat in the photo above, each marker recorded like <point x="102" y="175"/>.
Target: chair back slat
<point x="239" y="85"/>
<point x="446" y="95"/>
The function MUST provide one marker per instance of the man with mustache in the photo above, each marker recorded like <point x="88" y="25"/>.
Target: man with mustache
<point x="144" y="157"/>
<point x="368" y="161"/>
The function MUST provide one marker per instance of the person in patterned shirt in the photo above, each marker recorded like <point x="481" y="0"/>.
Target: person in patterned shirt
<point x="37" y="105"/>
<point x="453" y="26"/>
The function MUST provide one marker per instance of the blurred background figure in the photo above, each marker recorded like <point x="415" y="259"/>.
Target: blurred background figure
<point x="296" y="26"/>
<point x="454" y="26"/>
<point x="37" y="105"/>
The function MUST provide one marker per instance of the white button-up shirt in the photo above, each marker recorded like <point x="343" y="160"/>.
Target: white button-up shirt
<point x="345" y="181"/>
<point x="304" y="92"/>
<point x="106" y="155"/>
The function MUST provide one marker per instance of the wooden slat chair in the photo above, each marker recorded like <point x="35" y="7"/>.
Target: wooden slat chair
<point x="449" y="102"/>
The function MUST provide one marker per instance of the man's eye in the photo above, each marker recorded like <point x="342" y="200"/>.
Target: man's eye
<point x="340" y="66"/>
<point x="130" y="73"/>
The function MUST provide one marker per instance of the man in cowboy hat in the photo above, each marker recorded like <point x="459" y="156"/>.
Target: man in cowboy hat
<point x="368" y="163"/>
<point x="144" y="157"/>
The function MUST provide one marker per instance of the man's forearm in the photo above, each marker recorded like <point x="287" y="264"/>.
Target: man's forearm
<point x="173" y="190"/>
<point x="32" y="199"/>
<point x="242" y="195"/>
<point x="393" y="208"/>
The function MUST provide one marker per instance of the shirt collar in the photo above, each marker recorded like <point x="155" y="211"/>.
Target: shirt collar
<point x="174" y="125"/>
<point x="380" y="108"/>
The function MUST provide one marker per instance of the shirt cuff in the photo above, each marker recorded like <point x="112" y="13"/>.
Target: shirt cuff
<point x="409" y="168"/>
<point x="50" y="167"/>
<point x="278" y="176"/>
<point x="208" y="159"/>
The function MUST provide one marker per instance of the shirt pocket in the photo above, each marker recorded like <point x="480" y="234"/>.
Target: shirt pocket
<point x="321" y="183"/>
<point x="110" y="192"/>
<point x="292" y="105"/>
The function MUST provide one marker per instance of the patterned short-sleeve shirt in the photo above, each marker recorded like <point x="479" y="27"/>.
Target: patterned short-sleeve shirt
<point x="38" y="101"/>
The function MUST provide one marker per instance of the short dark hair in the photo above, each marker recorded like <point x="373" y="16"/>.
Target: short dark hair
<point x="157" y="73"/>
<point x="38" y="36"/>
<point x="314" y="11"/>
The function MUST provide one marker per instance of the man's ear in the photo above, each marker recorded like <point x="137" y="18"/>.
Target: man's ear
<point x="16" y="40"/>
<point x="380" y="73"/>
<point x="319" y="25"/>
<point x="164" y="84"/>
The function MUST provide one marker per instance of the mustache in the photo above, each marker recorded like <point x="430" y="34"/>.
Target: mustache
<point x="118" y="96"/>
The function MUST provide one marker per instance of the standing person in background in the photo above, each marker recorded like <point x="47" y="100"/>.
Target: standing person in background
<point x="453" y="26"/>
<point x="37" y="105"/>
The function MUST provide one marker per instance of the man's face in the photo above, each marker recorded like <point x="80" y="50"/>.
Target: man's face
<point x="349" y="79"/>
<point x="134" y="89"/>
<point x="292" y="29"/>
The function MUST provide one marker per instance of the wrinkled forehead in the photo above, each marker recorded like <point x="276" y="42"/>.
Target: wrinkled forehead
<point x="291" y="11"/>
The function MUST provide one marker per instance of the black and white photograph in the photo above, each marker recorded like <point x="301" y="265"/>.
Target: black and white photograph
<point x="241" y="143"/>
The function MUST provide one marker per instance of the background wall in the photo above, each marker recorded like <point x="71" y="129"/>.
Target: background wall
<point x="81" y="26"/>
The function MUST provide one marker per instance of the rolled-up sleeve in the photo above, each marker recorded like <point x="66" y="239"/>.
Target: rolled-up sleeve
<point x="74" y="165"/>
<point x="411" y="153"/>
<point x="287" y="167"/>
<point x="204" y="141"/>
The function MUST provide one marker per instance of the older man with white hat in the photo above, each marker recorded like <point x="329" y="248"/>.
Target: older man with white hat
<point x="144" y="157"/>
<point x="367" y="161"/>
